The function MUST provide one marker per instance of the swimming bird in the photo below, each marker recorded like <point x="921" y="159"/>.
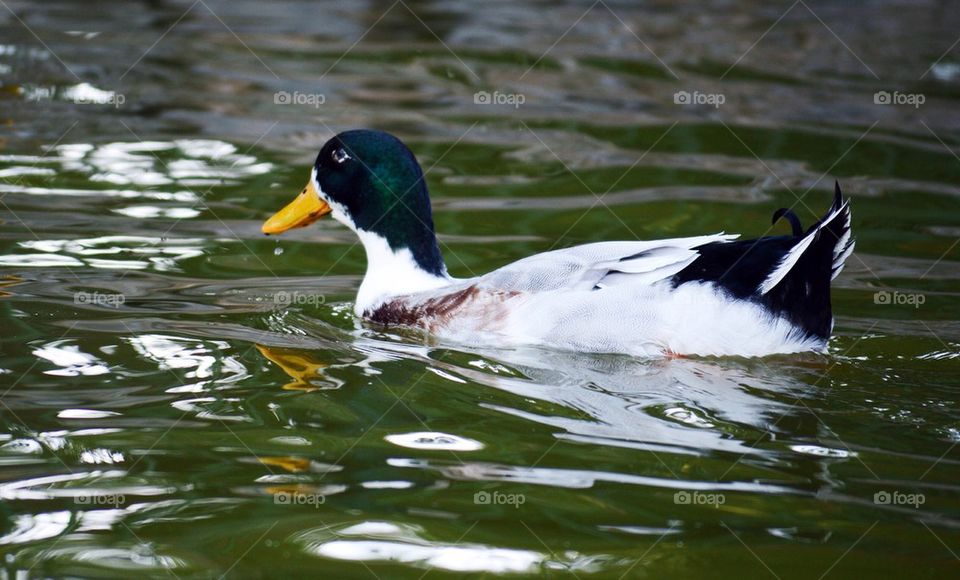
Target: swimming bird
<point x="709" y="295"/>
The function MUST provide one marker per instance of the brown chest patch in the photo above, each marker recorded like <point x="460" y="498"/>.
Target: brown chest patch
<point x="436" y="312"/>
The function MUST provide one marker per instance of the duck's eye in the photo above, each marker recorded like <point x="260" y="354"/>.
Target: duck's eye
<point x="339" y="155"/>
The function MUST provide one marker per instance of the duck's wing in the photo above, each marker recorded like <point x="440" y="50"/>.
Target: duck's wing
<point x="599" y="265"/>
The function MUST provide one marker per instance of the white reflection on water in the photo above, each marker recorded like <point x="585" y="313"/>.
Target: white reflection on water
<point x="29" y="528"/>
<point x="24" y="171"/>
<point x="78" y="485"/>
<point x="22" y="446"/>
<point x="201" y="407"/>
<point x="152" y="212"/>
<point x="101" y="456"/>
<point x="182" y="196"/>
<point x="575" y="478"/>
<point x="389" y="542"/>
<point x="38" y="260"/>
<point x="820" y="451"/>
<point x="456" y="558"/>
<point x="140" y="557"/>
<point x="432" y="440"/>
<point x="177" y="352"/>
<point x="188" y="162"/>
<point x="161" y="254"/>
<point x="85" y="414"/>
<point x="127" y="170"/>
<point x="71" y="360"/>
<point x="385" y="541"/>
<point x="202" y="359"/>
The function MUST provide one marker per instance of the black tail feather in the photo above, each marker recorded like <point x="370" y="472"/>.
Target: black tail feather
<point x="803" y="294"/>
<point x="791" y="217"/>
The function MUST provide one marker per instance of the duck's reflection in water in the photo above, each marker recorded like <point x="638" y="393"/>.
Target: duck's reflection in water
<point x="684" y="406"/>
<point x="680" y="405"/>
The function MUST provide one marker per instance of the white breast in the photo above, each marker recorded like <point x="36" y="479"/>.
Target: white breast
<point x="391" y="273"/>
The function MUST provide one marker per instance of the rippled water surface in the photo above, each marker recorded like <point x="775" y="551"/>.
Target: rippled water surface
<point x="181" y="395"/>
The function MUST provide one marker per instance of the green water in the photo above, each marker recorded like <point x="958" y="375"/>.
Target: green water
<point x="184" y="397"/>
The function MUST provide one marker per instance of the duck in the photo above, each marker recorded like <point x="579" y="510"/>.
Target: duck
<point x="709" y="295"/>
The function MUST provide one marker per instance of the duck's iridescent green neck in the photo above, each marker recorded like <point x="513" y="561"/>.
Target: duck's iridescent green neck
<point x="405" y="221"/>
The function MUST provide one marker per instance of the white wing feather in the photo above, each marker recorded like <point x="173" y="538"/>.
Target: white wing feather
<point x="599" y="265"/>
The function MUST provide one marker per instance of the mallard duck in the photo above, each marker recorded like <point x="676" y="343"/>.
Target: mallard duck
<point x="705" y="295"/>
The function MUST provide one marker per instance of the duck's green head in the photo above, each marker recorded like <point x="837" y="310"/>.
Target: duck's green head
<point x="372" y="183"/>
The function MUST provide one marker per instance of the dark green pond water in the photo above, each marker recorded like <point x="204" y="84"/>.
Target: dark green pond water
<point x="184" y="397"/>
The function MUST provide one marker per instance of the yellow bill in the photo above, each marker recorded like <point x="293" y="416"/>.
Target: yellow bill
<point x="305" y="209"/>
